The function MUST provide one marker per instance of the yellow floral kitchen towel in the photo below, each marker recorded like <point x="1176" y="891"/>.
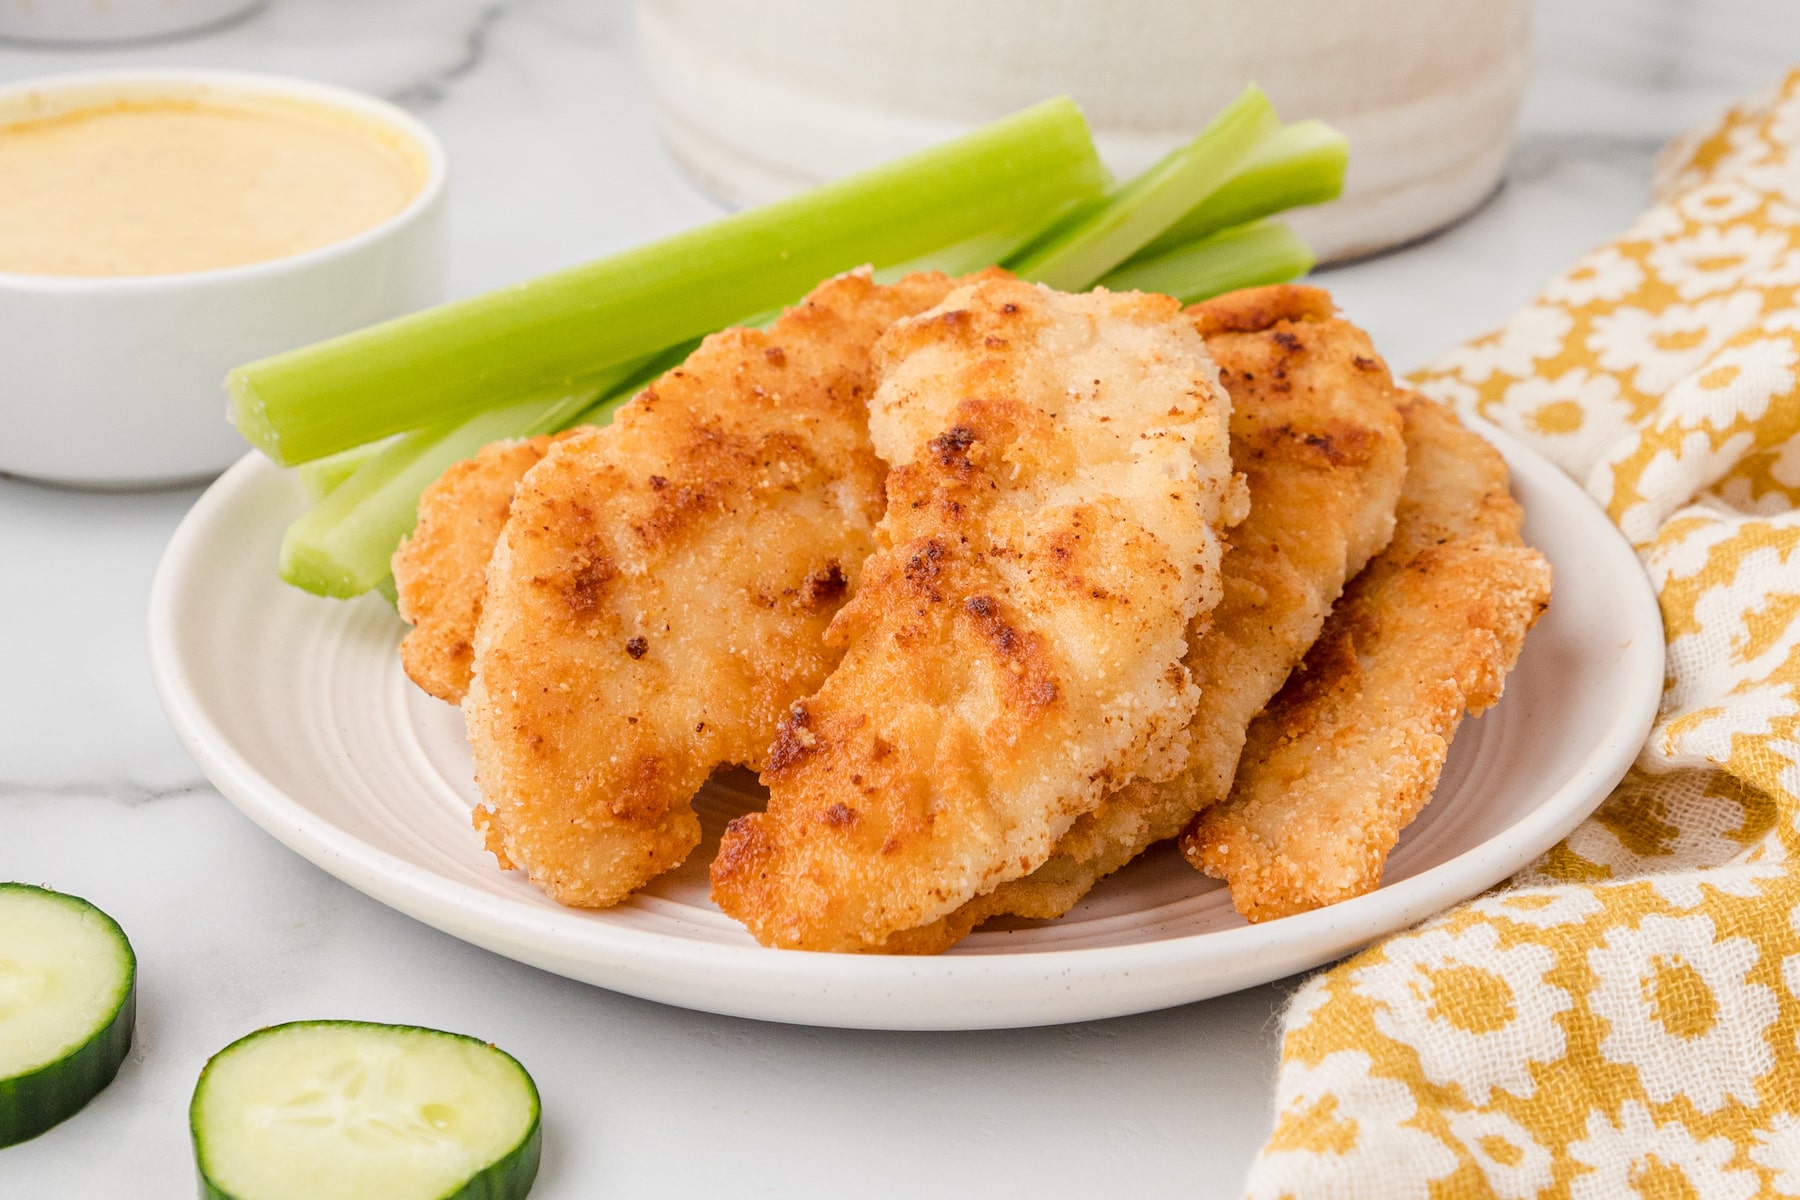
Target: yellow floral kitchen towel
<point x="1623" y="1019"/>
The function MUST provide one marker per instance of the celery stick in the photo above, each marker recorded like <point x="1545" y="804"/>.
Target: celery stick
<point x="343" y="546"/>
<point x="561" y="415"/>
<point x="321" y="475"/>
<point x="1302" y="164"/>
<point x="1103" y="234"/>
<point x="600" y="411"/>
<point x="1245" y="256"/>
<point x="1014" y="177"/>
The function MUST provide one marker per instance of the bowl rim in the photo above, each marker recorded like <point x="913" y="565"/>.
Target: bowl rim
<point x="327" y="95"/>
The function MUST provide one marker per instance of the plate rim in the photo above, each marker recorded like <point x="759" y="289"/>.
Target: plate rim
<point x="658" y="966"/>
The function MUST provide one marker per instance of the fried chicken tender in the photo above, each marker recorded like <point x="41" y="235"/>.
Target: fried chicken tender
<point x="1316" y="432"/>
<point x="659" y="595"/>
<point x="1350" y="750"/>
<point x="440" y="569"/>
<point x="1061" y="471"/>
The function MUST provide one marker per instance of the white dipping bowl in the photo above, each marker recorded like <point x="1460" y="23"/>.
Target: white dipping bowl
<point x="114" y="381"/>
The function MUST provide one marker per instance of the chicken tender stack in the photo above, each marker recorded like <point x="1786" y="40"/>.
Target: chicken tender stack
<point x="1316" y="432"/>
<point x="1061" y="471"/>
<point x="1350" y="750"/>
<point x="658" y="597"/>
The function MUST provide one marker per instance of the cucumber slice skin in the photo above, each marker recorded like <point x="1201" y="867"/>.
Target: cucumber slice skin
<point x="39" y="1100"/>
<point x="509" y="1177"/>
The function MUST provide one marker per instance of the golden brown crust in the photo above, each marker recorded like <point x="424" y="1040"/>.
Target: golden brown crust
<point x="440" y="570"/>
<point x="1255" y="310"/>
<point x="661" y="591"/>
<point x="1315" y="431"/>
<point x="1061" y="470"/>
<point x="1350" y="750"/>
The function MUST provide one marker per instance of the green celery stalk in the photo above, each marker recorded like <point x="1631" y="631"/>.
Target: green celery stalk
<point x="1302" y="164"/>
<point x="600" y="411"/>
<point x="335" y="549"/>
<point x="321" y="475"/>
<point x="1014" y="176"/>
<point x="1245" y="256"/>
<point x="1102" y="234"/>
<point x="343" y="546"/>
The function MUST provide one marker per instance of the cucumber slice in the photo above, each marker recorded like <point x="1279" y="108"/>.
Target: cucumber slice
<point x="67" y="1001"/>
<point x="347" y="1110"/>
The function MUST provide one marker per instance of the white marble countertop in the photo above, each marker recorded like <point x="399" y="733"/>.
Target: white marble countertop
<point x="556" y="160"/>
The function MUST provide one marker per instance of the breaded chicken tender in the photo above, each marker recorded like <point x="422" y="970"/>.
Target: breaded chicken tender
<point x="440" y="570"/>
<point x="1350" y="750"/>
<point x="659" y="595"/>
<point x="1316" y="432"/>
<point x="1061" y="471"/>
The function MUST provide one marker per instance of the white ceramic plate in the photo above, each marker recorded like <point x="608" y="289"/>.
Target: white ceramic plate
<point x="296" y="708"/>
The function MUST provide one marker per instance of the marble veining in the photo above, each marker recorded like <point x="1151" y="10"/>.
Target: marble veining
<point x="423" y="92"/>
<point x="111" y="791"/>
<point x="554" y="160"/>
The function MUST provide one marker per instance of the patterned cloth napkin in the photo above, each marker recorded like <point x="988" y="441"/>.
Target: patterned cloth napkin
<point x="1622" y="1019"/>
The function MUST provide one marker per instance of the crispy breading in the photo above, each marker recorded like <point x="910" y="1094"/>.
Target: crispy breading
<point x="661" y="590"/>
<point x="1061" y="469"/>
<point x="1315" y="431"/>
<point x="440" y="569"/>
<point x="1349" y="751"/>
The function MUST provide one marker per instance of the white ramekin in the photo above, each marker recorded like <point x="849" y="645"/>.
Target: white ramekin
<point x="115" y="381"/>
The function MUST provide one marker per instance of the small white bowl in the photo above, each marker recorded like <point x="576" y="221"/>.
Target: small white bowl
<point x="114" y="381"/>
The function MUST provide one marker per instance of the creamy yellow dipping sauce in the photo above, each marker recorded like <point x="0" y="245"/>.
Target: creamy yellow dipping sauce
<point x="167" y="187"/>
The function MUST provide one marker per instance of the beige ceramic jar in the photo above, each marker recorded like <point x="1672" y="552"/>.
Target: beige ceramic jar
<point x="757" y="100"/>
